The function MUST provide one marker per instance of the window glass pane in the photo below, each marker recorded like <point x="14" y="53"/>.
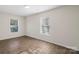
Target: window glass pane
<point x="44" y="26"/>
<point x="14" y="25"/>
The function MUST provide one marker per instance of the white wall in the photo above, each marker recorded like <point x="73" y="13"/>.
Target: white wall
<point x="64" y="26"/>
<point x="5" y="32"/>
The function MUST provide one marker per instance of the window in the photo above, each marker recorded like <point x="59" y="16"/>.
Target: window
<point x="44" y="26"/>
<point x="14" y="25"/>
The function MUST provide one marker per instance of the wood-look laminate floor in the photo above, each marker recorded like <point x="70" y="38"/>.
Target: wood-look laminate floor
<point x="31" y="46"/>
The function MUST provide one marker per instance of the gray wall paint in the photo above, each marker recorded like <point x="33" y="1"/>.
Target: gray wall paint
<point x="64" y="26"/>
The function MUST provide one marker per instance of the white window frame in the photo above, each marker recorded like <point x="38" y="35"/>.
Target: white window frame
<point x="44" y="25"/>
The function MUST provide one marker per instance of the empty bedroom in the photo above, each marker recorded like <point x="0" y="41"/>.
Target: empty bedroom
<point x="39" y="29"/>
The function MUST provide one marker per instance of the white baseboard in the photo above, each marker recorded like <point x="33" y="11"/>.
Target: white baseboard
<point x="8" y="37"/>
